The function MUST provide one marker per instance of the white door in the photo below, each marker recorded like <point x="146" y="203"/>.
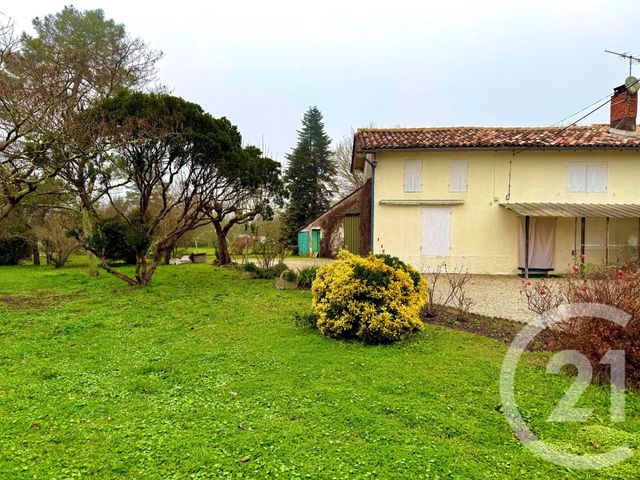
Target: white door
<point x="436" y="232"/>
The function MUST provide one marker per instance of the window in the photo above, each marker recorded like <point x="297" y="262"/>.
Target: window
<point x="590" y="177"/>
<point x="458" y="176"/>
<point x="597" y="177"/>
<point x="436" y="232"/>
<point x="413" y="175"/>
<point x="577" y="177"/>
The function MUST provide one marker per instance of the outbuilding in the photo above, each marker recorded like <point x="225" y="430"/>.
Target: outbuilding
<point x="345" y="225"/>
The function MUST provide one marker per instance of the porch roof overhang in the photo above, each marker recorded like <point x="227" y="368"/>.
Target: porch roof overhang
<point x="422" y="202"/>
<point x="597" y="210"/>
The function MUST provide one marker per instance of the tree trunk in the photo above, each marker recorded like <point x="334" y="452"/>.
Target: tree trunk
<point x="141" y="268"/>
<point x="92" y="260"/>
<point x="224" y="258"/>
<point x="103" y="263"/>
<point x="152" y="269"/>
<point x="35" y="250"/>
<point x="121" y="276"/>
<point x="168" y="253"/>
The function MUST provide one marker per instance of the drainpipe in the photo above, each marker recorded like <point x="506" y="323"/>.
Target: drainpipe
<point x="370" y="158"/>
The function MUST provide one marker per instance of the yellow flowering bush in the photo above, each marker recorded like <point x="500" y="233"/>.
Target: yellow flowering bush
<point x="377" y="299"/>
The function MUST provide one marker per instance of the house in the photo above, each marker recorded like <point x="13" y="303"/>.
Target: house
<point x="504" y="200"/>
<point x="346" y="224"/>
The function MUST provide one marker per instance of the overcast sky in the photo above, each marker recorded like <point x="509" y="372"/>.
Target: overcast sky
<point x="392" y="63"/>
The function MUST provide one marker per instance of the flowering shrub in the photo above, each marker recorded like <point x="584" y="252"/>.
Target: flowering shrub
<point x="582" y="268"/>
<point x="377" y="299"/>
<point x="542" y="296"/>
<point x="594" y="337"/>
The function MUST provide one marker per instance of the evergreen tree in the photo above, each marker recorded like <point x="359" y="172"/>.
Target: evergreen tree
<point x="310" y="174"/>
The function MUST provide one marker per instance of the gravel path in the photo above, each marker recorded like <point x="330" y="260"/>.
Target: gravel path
<point x="301" y="262"/>
<point x="494" y="296"/>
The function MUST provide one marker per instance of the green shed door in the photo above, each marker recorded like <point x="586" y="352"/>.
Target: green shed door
<point x="303" y="244"/>
<point x="352" y="233"/>
<point x="315" y="240"/>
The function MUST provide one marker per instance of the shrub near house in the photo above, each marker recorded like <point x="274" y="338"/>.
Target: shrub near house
<point x="591" y="336"/>
<point x="377" y="299"/>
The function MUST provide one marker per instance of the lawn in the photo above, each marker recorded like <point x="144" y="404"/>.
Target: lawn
<point x="204" y="375"/>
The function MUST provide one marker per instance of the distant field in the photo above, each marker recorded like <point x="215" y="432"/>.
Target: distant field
<point x="204" y="375"/>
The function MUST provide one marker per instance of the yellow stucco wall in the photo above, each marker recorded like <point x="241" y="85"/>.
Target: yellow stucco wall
<point x="484" y="235"/>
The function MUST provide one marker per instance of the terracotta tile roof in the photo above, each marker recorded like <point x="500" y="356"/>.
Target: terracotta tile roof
<point x="591" y="136"/>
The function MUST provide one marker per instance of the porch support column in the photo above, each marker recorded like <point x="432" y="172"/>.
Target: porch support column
<point x="526" y="246"/>
<point x="606" y="243"/>
<point x="575" y="240"/>
<point x="583" y="235"/>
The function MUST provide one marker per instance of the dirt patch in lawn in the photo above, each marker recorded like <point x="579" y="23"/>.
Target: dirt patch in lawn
<point x="35" y="301"/>
<point x="499" y="329"/>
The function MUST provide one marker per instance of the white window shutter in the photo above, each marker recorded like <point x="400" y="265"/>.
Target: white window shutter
<point x="436" y="232"/>
<point x="413" y="175"/>
<point x="458" y="176"/>
<point x="597" y="177"/>
<point x="577" y="177"/>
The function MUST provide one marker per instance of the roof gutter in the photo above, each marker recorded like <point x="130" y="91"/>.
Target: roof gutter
<point x="498" y="149"/>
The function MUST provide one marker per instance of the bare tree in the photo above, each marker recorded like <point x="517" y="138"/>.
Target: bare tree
<point x="432" y="289"/>
<point x="74" y="59"/>
<point x="346" y="180"/>
<point x="29" y="99"/>
<point x="459" y="300"/>
<point x="456" y="296"/>
<point x="269" y="248"/>
<point x="56" y="241"/>
<point x="100" y="59"/>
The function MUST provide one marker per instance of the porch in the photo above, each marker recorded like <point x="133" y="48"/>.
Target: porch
<point x="600" y="233"/>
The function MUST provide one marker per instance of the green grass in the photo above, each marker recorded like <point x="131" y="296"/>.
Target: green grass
<point x="204" y="375"/>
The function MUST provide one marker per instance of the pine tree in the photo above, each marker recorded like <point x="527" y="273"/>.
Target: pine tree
<point x="310" y="174"/>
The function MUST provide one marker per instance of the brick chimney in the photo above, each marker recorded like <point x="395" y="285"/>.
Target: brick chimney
<point x="624" y="107"/>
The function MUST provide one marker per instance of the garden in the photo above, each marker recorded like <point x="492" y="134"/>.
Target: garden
<point x="153" y="323"/>
<point x="209" y="375"/>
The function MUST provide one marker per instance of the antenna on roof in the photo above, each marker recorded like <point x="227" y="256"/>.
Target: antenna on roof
<point x="626" y="55"/>
<point x="631" y="82"/>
